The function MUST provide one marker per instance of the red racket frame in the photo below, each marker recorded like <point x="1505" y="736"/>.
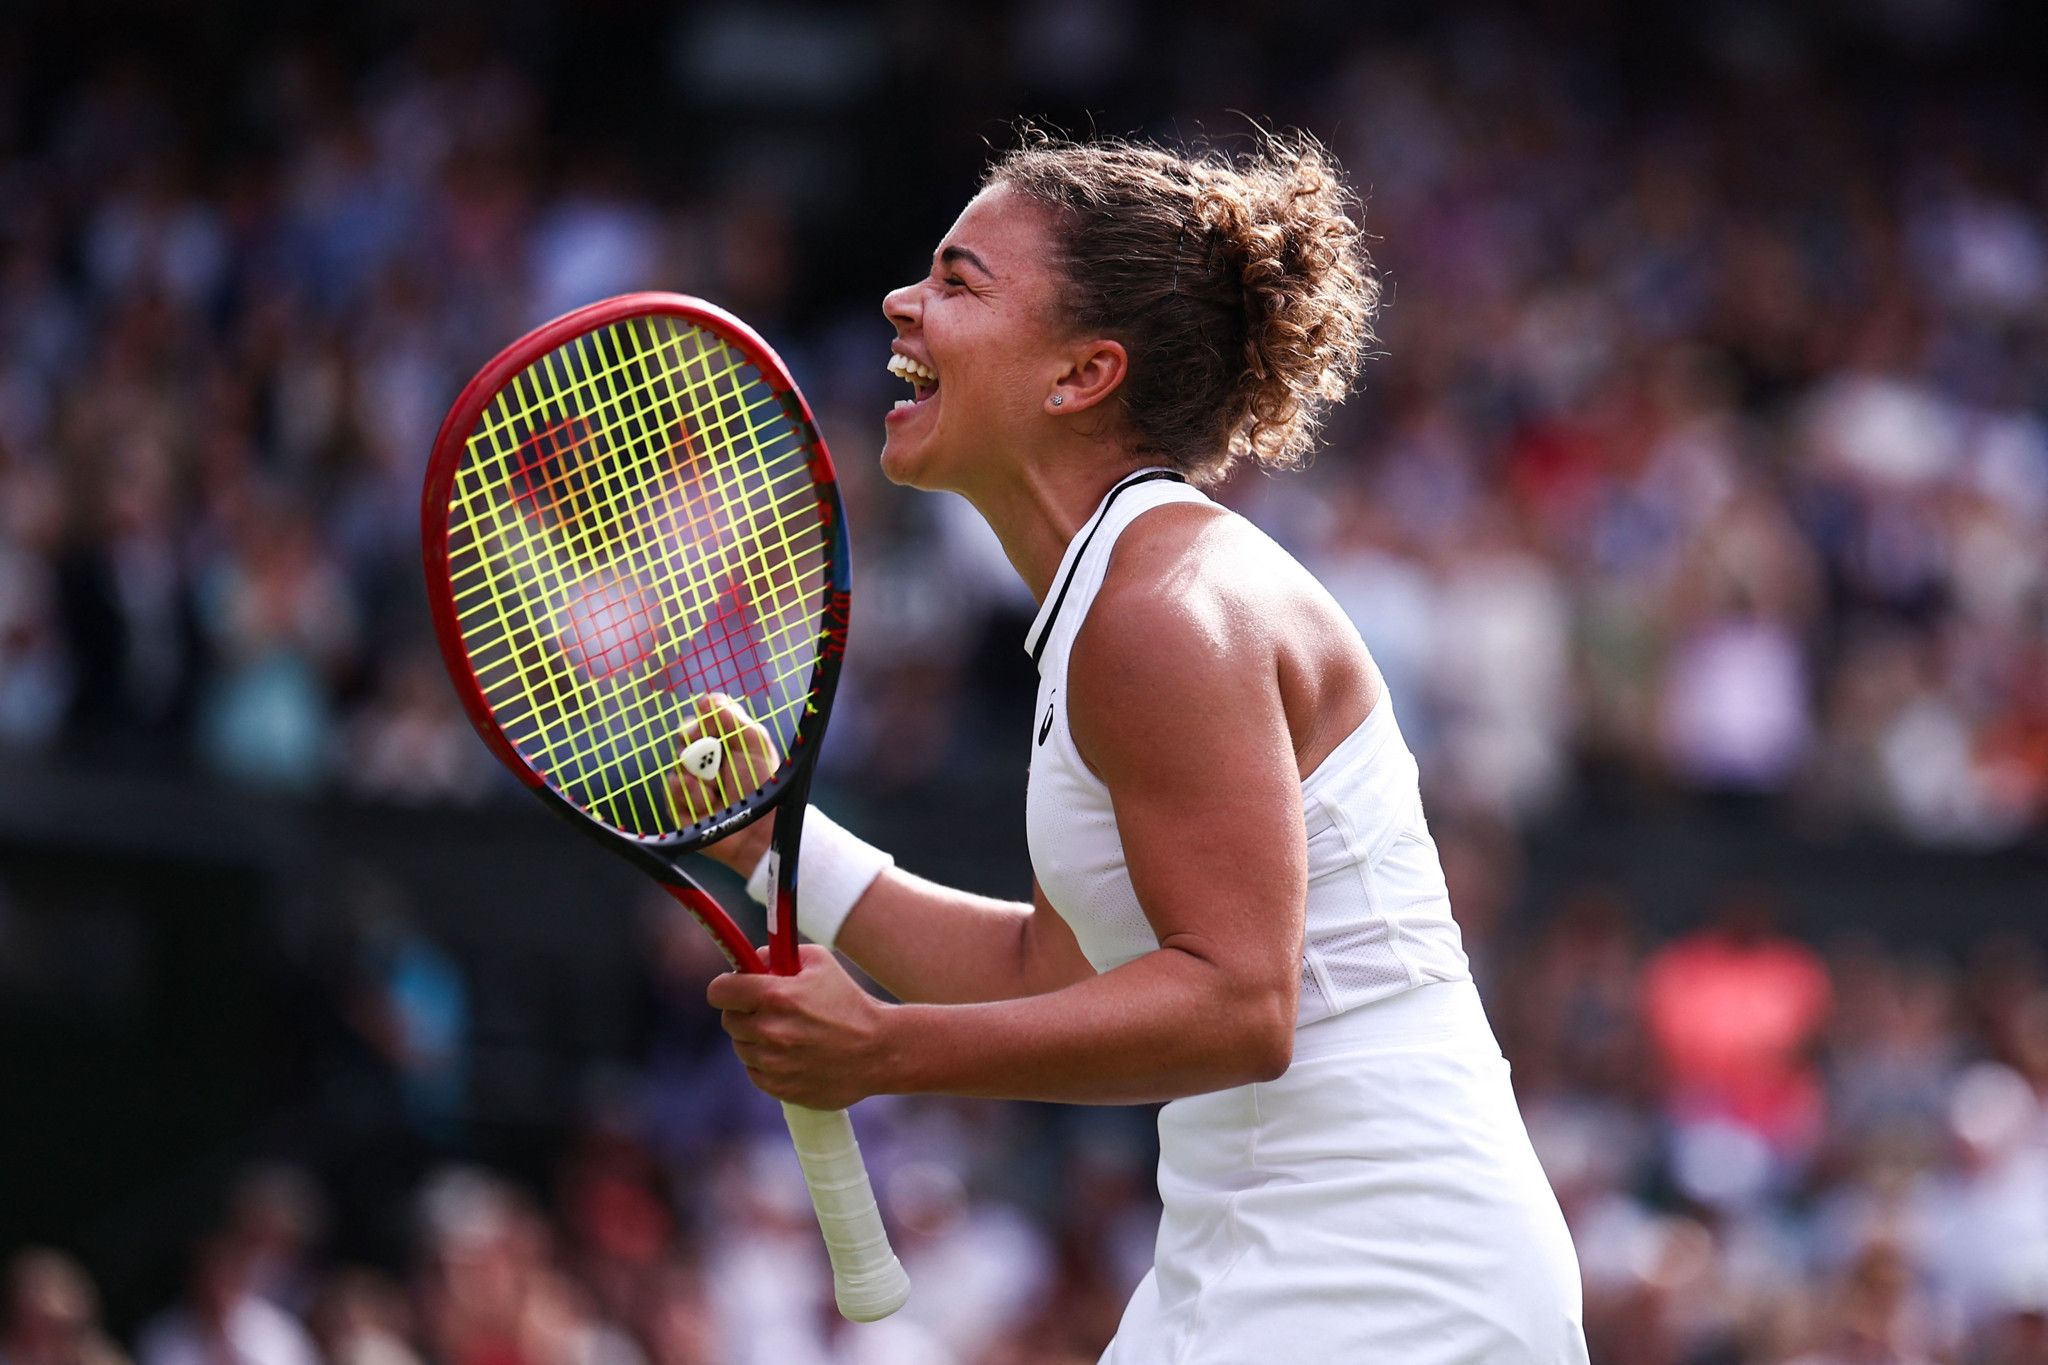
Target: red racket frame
<point x="789" y="788"/>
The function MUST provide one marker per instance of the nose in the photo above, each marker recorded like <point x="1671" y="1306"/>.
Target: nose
<point x="903" y="307"/>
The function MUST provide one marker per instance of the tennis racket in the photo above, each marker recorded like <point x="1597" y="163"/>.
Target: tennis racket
<point x="635" y="556"/>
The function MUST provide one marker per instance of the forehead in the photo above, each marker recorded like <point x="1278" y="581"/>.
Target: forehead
<point x="1009" y="231"/>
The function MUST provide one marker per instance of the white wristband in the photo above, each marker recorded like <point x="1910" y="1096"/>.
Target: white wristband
<point x="838" y="868"/>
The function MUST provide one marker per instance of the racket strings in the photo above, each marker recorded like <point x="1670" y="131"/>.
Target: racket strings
<point x="548" y="461"/>
<point x="727" y="483"/>
<point x="531" y="494"/>
<point x="634" y="529"/>
<point x="632" y="407"/>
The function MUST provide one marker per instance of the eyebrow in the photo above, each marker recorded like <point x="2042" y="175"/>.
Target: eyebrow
<point x="961" y="253"/>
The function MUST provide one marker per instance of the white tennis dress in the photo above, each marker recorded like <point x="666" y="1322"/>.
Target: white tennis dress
<point x="1380" y="1201"/>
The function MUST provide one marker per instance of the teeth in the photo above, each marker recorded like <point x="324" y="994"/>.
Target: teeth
<point x="903" y="367"/>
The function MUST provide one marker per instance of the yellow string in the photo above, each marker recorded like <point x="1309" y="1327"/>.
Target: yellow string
<point x="660" y="737"/>
<point x="695" y="393"/>
<point x="672" y="480"/>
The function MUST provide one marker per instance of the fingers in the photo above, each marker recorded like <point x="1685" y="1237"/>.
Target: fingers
<point x="742" y="992"/>
<point x="745" y="758"/>
<point x="799" y="1037"/>
<point x="753" y="1040"/>
<point x="738" y="997"/>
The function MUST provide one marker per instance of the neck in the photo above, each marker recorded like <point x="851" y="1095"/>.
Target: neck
<point x="1037" y="515"/>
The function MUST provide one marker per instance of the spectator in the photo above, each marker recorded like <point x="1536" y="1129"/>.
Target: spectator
<point x="51" y="1314"/>
<point x="1734" y="1012"/>
<point x="1876" y="1316"/>
<point x="275" y="1217"/>
<point x="490" y="1291"/>
<point x="360" y="1318"/>
<point x="223" y="1318"/>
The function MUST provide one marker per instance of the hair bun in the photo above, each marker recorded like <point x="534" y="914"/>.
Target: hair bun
<point x="1240" y="286"/>
<point x="1288" y="221"/>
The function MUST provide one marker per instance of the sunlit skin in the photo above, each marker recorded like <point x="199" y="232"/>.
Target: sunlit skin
<point x="1212" y="673"/>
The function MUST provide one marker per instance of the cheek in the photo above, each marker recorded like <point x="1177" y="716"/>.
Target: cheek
<point x="990" y="349"/>
<point x="998" y="380"/>
<point x="984" y="411"/>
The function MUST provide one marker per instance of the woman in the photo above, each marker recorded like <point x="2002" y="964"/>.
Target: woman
<point x="1238" y="906"/>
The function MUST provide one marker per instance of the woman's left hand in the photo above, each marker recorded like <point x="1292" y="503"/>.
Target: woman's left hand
<point x="815" y="1039"/>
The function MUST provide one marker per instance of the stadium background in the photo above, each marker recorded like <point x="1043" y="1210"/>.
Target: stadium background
<point x="1697" y="513"/>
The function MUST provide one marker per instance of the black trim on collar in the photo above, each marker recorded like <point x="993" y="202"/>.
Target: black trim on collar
<point x="1074" y="565"/>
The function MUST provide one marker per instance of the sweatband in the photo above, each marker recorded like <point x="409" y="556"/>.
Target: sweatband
<point x="838" y="868"/>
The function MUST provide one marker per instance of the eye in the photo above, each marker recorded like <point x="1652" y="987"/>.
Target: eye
<point x="954" y="282"/>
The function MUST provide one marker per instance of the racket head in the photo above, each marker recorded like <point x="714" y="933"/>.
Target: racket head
<point x="626" y="511"/>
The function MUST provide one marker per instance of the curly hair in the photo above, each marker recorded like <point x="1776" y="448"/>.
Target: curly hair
<point x="1239" y="286"/>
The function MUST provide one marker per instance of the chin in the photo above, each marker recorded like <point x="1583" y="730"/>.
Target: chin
<point x="911" y="464"/>
<point x="897" y="467"/>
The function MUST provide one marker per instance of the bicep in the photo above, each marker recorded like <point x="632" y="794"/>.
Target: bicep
<point x="1187" y="729"/>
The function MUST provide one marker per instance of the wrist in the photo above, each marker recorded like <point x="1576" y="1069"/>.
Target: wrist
<point x="837" y="868"/>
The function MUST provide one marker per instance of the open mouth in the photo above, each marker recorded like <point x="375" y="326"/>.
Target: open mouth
<point x="923" y="381"/>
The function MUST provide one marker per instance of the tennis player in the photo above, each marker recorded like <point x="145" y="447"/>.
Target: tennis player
<point x="1238" y="906"/>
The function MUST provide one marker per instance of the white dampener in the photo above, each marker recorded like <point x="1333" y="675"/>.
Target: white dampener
<point x="838" y="868"/>
<point x="867" y="1279"/>
<point x="703" y="758"/>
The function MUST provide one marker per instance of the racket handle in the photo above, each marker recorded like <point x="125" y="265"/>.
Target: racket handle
<point x="867" y="1279"/>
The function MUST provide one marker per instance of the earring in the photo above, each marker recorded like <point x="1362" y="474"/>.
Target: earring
<point x="1058" y="399"/>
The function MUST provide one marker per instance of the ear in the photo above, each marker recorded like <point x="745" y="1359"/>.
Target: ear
<point x="1094" y="371"/>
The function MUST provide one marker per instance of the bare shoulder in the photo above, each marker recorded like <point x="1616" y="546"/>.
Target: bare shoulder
<point x="1195" y="561"/>
<point x="1169" y="592"/>
<point x="1170" y="651"/>
<point x="1201" y="615"/>
<point x="1199" y="574"/>
<point x="1177" y="632"/>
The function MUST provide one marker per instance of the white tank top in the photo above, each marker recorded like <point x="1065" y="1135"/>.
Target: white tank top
<point x="1379" y="918"/>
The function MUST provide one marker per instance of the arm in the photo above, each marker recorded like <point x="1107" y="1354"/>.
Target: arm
<point x="932" y="944"/>
<point x="920" y="940"/>
<point x="1175" y="701"/>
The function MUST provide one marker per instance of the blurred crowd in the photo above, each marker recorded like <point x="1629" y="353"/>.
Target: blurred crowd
<point x="1769" y="1155"/>
<point x="1707" y="451"/>
<point x="1708" y="455"/>
<point x="1777" y="1156"/>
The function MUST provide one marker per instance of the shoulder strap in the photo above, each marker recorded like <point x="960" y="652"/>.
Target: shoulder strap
<point x="1041" y="629"/>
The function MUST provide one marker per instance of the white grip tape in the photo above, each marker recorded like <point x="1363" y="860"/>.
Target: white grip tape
<point x="867" y="1279"/>
<point x="838" y="867"/>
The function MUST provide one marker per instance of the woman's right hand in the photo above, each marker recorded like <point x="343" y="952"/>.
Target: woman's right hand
<point x="751" y="757"/>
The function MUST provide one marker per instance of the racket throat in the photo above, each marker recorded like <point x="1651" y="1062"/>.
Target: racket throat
<point x="784" y="871"/>
<point x="776" y="894"/>
<point x="782" y="954"/>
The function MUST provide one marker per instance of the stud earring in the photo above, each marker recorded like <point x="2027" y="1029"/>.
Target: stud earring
<point x="1058" y="399"/>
